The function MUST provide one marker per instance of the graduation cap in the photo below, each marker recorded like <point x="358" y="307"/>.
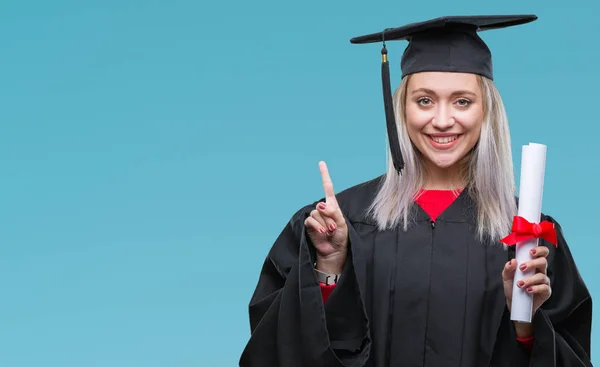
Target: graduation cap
<point x="449" y="44"/>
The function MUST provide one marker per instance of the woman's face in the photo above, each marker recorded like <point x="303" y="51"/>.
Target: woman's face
<point x="444" y="114"/>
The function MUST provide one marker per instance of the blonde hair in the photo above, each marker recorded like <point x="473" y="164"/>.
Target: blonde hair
<point x="487" y="170"/>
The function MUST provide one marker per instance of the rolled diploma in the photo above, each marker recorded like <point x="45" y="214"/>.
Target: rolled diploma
<point x="533" y="164"/>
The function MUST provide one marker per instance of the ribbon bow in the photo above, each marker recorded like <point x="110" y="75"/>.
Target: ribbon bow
<point x="523" y="230"/>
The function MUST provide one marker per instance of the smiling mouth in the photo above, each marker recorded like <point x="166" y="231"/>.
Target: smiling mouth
<point x="443" y="139"/>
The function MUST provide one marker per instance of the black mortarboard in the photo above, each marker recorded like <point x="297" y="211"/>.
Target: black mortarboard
<point x="441" y="44"/>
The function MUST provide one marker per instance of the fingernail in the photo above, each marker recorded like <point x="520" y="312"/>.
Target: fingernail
<point x="523" y="267"/>
<point x="520" y="283"/>
<point x="322" y="230"/>
<point x="529" y="289"/>
<point x="332" y="227"/>
<point x="321" y="205"/>
<point x="533" y="251"/>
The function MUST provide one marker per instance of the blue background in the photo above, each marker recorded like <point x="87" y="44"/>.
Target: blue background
<point x="151" y="151"/>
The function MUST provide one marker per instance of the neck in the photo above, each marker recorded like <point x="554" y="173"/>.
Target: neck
<point x="437" y="178"/>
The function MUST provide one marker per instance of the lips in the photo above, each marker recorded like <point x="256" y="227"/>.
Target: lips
<point x="443" y="142"/>
<point x="444" y="139"/>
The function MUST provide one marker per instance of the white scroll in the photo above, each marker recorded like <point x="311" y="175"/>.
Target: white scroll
<point x="533" y="165"/>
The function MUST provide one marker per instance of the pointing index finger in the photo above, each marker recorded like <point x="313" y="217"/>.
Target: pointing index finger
<point x="327" y="184"/>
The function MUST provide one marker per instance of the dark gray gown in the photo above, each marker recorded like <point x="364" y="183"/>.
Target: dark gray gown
<point x="431" y="296"/>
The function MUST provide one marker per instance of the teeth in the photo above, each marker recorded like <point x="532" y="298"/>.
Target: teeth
<point x="445" y="139"/>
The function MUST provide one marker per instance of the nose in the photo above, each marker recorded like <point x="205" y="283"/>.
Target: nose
<point x="443" y="118"/>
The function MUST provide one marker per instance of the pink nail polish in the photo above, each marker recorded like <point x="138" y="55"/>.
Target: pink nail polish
<point x="332" y="227"/>
<point x="529" y="289"/>
<point x="523" y="267"/>
<point x="533" y="251"/>
<point x="520" y="283"/>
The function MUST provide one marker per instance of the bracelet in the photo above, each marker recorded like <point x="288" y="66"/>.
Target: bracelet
<point x="326" y="278"/>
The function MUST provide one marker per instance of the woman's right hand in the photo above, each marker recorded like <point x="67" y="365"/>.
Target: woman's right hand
<point x="327" y="229"/>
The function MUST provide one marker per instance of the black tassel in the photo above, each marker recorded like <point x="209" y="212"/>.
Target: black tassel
<point x="389" y="112"/>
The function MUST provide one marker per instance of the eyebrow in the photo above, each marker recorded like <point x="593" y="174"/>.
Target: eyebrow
<point x="429" y="91"/>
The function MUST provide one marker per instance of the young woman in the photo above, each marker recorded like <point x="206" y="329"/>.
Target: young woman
<point x="408" y="269"/>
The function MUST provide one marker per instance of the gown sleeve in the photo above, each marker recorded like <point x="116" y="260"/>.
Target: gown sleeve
<point x="562" y="325"/>
<point x="289" y="323"/>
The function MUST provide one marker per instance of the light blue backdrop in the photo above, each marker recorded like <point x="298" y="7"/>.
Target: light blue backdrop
<point x="151" y="151"/>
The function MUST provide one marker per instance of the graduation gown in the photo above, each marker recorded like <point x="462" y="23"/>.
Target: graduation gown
<point x="430" y="296"/>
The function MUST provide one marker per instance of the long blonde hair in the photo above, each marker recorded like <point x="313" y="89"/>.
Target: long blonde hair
<point x="488" y="170"/>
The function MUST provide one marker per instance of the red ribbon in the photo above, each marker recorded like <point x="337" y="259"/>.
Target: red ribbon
<point x="523" y="230"/>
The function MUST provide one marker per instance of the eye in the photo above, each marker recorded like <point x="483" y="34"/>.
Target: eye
<point x="463" y="102"/>
<point x="424" y="101"/>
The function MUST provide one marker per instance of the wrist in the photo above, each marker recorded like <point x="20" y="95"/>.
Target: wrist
<point x="331" y="265"/>
<point x="523" y="330"/>
<point x="328" y="268"/>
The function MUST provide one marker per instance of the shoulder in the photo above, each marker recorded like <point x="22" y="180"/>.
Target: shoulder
<point x="561" y="248"/>
<point x="356" y="200"/>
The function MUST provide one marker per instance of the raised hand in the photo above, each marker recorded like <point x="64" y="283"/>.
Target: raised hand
<point x="327" y="229"/>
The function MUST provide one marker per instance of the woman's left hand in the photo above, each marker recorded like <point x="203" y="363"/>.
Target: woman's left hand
<point x="538" y="284"/>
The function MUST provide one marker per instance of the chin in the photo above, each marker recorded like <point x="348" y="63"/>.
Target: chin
<point x="444" y="162"/>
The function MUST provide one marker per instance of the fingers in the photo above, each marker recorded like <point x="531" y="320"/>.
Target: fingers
<point x="543" y="290"/>
<point x="318" y="217"/>
<point x="319" y="223"/>
<point x="332" y="214"/>
<point x="327" y="184"/>
<point x="540" y="251"/>
<point x="313" y="224"/>
<point x="508" y="273"/>
<point x="540" y="264"/>
<point x="534" y="281"/>
<point x="330" y="208"/>
<point x="324" y="218"/>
